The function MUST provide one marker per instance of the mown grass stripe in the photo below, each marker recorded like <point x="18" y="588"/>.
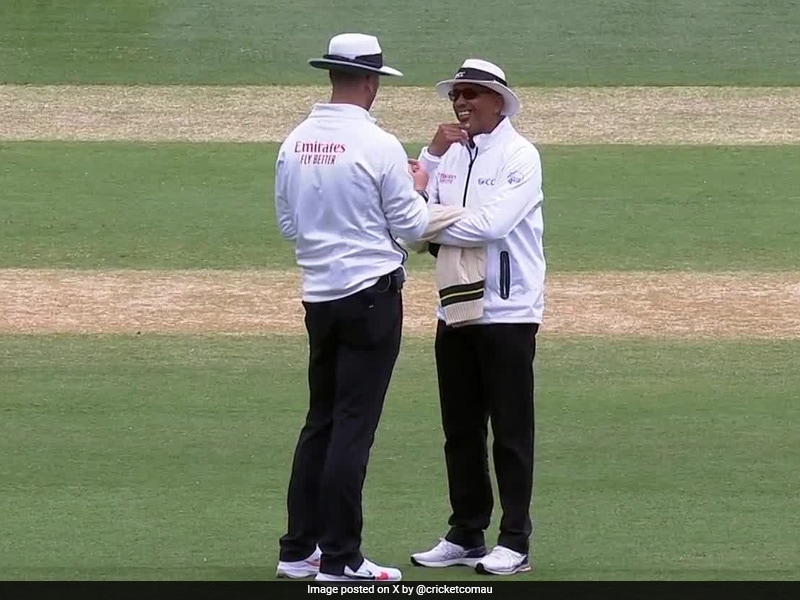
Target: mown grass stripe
<point x="675" y="305"/>
<point x="628" y="115"/>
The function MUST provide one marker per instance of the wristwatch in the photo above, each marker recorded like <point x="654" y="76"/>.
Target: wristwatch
<point x="424" y="195"/>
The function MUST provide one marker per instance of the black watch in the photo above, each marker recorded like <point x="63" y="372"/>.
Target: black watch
<point x="424" y="195"/>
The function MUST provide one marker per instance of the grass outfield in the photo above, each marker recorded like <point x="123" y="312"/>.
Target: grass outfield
<point x="605" y="42"/>
<point x="210" y="206"/>
<point x="167" y="458"/>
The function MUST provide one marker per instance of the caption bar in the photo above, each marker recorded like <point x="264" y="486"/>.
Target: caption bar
<point x="401" y="589"/>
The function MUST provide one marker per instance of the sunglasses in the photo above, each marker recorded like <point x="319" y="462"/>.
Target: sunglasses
<point x="467" y="93"/>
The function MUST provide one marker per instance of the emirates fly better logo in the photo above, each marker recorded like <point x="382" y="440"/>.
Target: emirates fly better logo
<point x="318" y="153"/>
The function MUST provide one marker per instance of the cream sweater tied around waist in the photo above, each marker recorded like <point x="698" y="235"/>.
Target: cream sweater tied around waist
<point x="460" y="272"/>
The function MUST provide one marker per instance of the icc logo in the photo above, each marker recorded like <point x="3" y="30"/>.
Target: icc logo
<point x="485" y="181"/>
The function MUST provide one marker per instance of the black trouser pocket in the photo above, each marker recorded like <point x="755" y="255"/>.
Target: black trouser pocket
<point x="505" y="275"/>
<point x="366" y="319"/>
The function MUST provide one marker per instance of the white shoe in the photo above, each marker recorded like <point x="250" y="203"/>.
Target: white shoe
<point x="448" y="554"/>
<point x="300" y="568"/>
<point x="367" y="570"/>
<point x="503" y="561"/>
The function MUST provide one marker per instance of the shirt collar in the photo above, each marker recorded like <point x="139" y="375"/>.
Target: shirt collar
<point x="484" y="140"/>
<point x="340" y="111"/>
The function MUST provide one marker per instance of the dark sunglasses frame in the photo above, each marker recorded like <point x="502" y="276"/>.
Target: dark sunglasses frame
<point x="468" y="93"/>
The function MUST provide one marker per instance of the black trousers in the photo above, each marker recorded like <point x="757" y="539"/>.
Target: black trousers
<point x="354" y="343"/>
<point x="486" y="373"/>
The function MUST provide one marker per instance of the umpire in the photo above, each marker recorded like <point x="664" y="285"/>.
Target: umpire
<point x="343" y="193"/>
<point x="485" y="367"/>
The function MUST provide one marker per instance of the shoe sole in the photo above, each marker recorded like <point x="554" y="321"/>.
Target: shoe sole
<point x="480" y="568"/>
<point x="454" y="562"/>
<point x="342" y="578"/>
<point x="286" y="574"/>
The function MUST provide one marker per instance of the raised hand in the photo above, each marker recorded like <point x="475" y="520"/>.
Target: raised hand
<point x="446" y="135"/>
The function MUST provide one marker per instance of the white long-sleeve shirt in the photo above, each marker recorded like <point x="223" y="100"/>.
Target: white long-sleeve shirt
<point x="343" y="194"/>
<point x="499" y="181"/>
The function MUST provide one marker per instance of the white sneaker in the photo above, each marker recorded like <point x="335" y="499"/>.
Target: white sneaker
<point x="448" y="554"/>
<point x="300" y="568"/>
<point x="367" y="570"/>
<point x="503" y="561"/>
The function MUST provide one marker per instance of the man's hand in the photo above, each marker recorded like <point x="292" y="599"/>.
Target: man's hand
<point x="418" y="174"/>
<point x="446" y="135"/>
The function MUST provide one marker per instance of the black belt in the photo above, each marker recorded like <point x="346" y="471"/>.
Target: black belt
<point x="391" y="282"/>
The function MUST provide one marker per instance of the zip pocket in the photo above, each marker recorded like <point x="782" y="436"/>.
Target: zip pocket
<point x="505" y="275"/>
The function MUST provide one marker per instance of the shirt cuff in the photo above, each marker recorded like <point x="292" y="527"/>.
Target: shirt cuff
<point x="428" y="157"/>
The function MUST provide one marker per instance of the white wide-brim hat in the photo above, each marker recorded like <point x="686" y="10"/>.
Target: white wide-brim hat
<point x="354" y="52"/>
<point x="489" y="75"/>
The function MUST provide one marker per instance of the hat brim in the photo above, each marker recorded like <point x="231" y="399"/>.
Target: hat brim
<point x="343" y="65"/>
<point x="511" y="102"/>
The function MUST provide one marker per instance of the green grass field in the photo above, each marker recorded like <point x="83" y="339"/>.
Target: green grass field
<point x="166" y="458"/>
<point x="604" y="42"/>
<point x="85" y="205"/>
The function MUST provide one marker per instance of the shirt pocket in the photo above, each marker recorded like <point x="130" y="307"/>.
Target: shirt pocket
<point x="505" y="275"/>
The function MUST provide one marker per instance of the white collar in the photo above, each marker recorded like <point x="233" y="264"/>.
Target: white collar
<point x="484" y="140"/>
<point x="340" y="110"/>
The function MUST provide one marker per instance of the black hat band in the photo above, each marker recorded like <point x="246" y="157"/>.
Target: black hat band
<point x="479" y="75"/>
<point x="367" y="60"/>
